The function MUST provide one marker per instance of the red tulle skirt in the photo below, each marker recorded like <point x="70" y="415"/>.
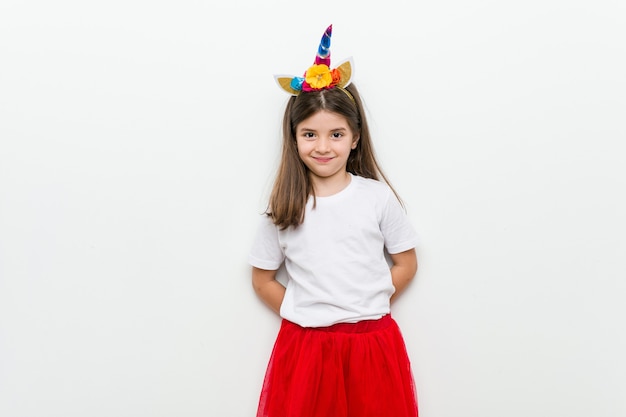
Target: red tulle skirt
<point x="345" y="370"/>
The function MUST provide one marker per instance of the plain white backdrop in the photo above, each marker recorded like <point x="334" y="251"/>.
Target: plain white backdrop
<point x="138" y="142"/>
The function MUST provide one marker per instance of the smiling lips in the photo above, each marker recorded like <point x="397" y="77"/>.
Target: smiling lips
<point x="322" y="159"/>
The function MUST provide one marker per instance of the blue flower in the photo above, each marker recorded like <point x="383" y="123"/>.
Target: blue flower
<point x="296" y="83"/>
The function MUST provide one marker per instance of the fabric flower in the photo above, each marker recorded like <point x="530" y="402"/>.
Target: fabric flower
<point x="318" y="76"/>
<point x="336" y="76"/>
<point x="296" y="83"/>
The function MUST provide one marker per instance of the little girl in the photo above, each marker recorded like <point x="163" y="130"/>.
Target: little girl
<point x="330" y="220"/>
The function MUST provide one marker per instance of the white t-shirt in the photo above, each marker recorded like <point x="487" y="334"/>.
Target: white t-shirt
<point x="335" y="260"/>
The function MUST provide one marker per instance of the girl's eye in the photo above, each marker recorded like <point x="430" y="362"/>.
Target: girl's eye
<point x="337" y="135"/>
<point x="308" y="135"/>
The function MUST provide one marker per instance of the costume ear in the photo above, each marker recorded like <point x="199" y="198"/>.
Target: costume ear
<point x="284" y="81"/>
<point x="345" y="69"/>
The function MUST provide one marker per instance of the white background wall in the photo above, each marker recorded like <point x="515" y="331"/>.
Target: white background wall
<point x="138" y="142"/>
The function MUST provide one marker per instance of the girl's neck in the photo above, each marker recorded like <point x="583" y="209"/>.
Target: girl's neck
<point x="324" y="187"/>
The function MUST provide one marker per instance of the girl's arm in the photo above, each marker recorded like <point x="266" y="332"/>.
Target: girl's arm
<point x="267" y="288"/>
<point x="403" y="270"/>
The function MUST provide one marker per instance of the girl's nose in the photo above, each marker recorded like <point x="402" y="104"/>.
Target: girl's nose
<point x="323" y="145"/>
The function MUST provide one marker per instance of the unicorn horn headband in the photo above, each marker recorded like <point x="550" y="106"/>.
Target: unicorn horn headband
<point x="319" y="76"/>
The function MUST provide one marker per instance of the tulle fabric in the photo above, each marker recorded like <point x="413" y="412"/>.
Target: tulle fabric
<point x="345" y="370"/>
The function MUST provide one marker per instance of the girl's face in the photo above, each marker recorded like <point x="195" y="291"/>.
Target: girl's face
<point x="324" y="143"/>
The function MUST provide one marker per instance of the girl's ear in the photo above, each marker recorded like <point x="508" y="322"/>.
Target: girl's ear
<point x="355" y="142"/>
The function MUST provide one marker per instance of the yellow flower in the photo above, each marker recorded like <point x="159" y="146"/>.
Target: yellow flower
<point x="318" y="76"/>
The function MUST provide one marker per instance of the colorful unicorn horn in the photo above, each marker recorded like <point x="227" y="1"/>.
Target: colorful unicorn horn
<point x="323" y="52"/>
<point x="319" y="76"/>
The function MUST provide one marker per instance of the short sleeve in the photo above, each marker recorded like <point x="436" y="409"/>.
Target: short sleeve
<point x="396" y="228"/>
<point x="266" y="252"/>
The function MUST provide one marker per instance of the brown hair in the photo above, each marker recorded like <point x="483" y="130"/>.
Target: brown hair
<point x="292" y="185"/>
